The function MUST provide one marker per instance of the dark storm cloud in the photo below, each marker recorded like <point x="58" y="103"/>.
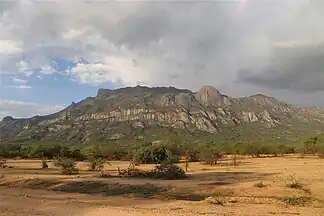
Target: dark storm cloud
<point x="296" y="67"/>
<point x="184" y="44"/>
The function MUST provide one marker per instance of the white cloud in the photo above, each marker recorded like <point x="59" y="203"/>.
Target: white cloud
<point x="21" y="109"/>
<point x="21" y="86"/>
<point x="74" y="33"/>
<point x="156" y="43"/>
<point x="23" y="67"/>
<point x="122" y="71"/>
<point x="48" y="70"/>
<point x="10" y="47"/>
<point x="17" y="80"/>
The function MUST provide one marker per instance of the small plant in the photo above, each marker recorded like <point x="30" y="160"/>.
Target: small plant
<point x="44" y="164"/>
<point x="133" y="172"/>
<point x="260" y="185"/>
<point x="234" y="159"/>
<point x="57" y="162"/>
<point x="294" y="183"/>
<point x="68" y="167"/>
<point x="215" y="200"/>
<point x="104" y="174"/>
<point x="3" y="163"/>
<point x="295" y="200"/>
<point x="97" y="164"/>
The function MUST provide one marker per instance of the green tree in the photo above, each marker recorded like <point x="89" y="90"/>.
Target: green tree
<point x="310" y="145"/>
<point x="211" y="155"/>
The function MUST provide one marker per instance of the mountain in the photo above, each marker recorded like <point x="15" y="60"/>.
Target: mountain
<point x="141" y="112"/>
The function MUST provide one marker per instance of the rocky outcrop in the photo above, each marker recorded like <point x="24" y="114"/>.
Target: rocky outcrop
<point x="142" y="107"/>
<point x="210" y="96"/>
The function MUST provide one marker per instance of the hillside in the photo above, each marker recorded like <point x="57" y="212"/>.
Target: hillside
<point x="150" y="113"/>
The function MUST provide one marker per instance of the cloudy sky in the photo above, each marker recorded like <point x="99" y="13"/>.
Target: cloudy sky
<point x="56" y="52"/>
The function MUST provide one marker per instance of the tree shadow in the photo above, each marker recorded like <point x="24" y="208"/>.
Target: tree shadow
<point x="111" y="189"/>
<point x="186" y="189"/>
<point x="224" y="178"/>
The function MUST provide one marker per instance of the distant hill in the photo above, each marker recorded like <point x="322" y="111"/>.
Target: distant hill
<point x="141" y="112"/>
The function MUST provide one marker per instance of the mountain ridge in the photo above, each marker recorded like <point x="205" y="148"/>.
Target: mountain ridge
<point x="142" y="108"/>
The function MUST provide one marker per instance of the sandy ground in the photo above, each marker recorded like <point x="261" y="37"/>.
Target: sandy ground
<point x="48" y="193"/>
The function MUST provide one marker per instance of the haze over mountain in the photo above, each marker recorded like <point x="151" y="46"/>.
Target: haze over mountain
<point x="138" y="112"/>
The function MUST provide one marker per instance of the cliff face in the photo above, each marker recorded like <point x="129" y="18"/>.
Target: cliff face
<point x="142" y="108"/>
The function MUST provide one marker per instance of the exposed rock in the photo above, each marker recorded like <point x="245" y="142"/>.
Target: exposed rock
<point x="143" y="107"/>
<point x="249" y="117"/>
<point x="139" y="124"/>
<point x="209" y="96"/>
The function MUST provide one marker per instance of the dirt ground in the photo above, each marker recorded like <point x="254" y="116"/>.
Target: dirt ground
<point x="26" y="189"/>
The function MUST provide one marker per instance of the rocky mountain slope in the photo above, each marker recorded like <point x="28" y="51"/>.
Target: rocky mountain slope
<point x="141" y="111"/>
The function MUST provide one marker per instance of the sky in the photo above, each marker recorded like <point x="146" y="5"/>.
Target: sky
<point x="56" y="52"/>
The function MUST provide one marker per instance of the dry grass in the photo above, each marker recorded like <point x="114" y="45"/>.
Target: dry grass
<point x="238" y="187"/>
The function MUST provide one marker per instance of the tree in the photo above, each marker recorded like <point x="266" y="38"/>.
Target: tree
<point x="310" y="145"/>
<point x="253" y="149"/>
<point x="151" y="154"/>
<point x="211" y="155"/>
<point x="320" y="150"/>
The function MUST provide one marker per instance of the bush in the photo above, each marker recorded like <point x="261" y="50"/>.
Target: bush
<point x="172" y="158"/>
<point x="57" y="162"/>
<point x="295" y="200"/>
<point x="215" y="200"/>
<point x="3" y="164"/>
<point x="164" y="171"/>
<point x="68" y="166"/>
<point x="169" y="171"/>
<point x="294" y="183"/>
<point x="104" y="174"/>
<point x="260" y="185"/>
<point x="134" y="172"/>
<point x="320" y="150"/>
<point x="44" y="164"/>
<point x="97" y="164"/>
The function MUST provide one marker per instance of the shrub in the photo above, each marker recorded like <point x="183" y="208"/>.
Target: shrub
<point x="57" y="162"/>
<point x="294" y="183"/>
<point x="260" y="185"/>
<point x="172" y="158"/>
<point x="104" y="174"/>
<point x="215" y="200"/>
<point x="134" y="172"/>
<point x="169" y="171"/>
<point x="68" y="166"/>
<point x="44" y="164"/>
<point x="320" y="150"/>
<point x="97" y="164"/>
<point x="3" y="164"/>
<point x="165" y="171"/>
<point x="295" y="200"/>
